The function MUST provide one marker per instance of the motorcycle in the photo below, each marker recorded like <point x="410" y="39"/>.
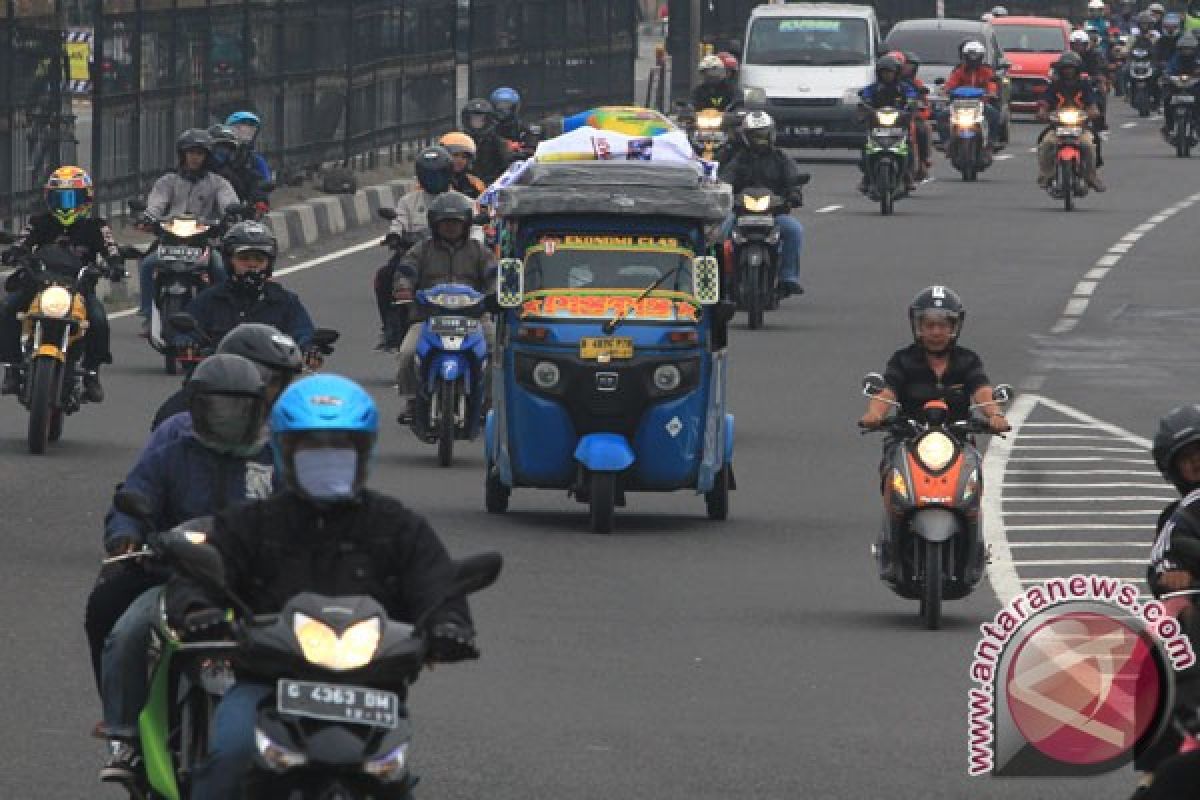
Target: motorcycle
<point x="52" y="332"/>
<point x="707" y="133"/>
<point x="969" y="146"/>
<point x="887" y="156"/>
<point x="931" y="547"/>
<point x="200" y="344"/>
<point x="1067" y="181"/>
<point x="756" y="239"/>
<point x="1183" y="111"/>
<point x="1140" y="80"/>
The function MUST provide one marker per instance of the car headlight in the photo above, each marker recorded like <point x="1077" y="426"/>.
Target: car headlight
<point x="667" y="378"/>
<point x="276" y="756"/>
<point x="546" y="375"/>
<point x="323" y="647"/>
<point x="935" y="450"/>
<point x="898" y="485"/>
<point x="55" y="301"/>
<point x="887" y="118"/>
<point x="752" y="203"/>
<point x="389" y="767"/>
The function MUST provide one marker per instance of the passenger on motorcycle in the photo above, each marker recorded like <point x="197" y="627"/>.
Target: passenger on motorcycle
<point x="732" y="67"/>
<point x="715" y="90"/>
<point x="909" y="64"/>
<point x="1183" y="62"/>
<point x="492" y="155"/>
<point x="68" y="196"/>
<point x="461" y="148"/>
<point x="192" y="189"/>
<point x="888" y="90"/>
<point x="246" y="125"/>
<point x="507" y="103"/>
<point x="1097" y="20"/>
<point x="1095" y="67"/>
<point x="1067" y="90"/>
<point x="435" y="175"/>
<point x="224" y="461"/>
<point x="759" y="163"/>
<point x="249" y="295"/>
<point x="324" y="429"/>
<point x="973" y="73"/>
<point x="230" y="163"/>
<point x="449" y="255"/>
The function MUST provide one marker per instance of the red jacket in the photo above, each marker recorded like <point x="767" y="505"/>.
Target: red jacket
<point x="981" y="77"/>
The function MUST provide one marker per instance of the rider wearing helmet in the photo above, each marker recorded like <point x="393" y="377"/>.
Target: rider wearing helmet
<point x="449" y="255"/>
<point x="1164" y="46"/>
<point x="732" y="67"/>
<point x="1068" y="90"/>
<point x="461" y="148"/>
<point x="1097" y="22"/>
<point x="492" y="155"/>
<point x="910" y="63"/>
<point x="192" y="189"/>
<point x="889" y="90"/>
<point x="222" y="462"/>
<point x="716" y="90"/>
<point x="999" y="11"/>
<point x="1157" y="12"/>
<point x="1183" y="62"/>
<point x="1191" y="16"/>
<point x="759" y="163"/>
<point x="68" y="195"/>
<point x="323" y="430"/>
<point x="249" y="295"/>
<point x="972" y="72"/>
<point x="228" y="163"/>
<point x="246" y="126"/>
<point x="507" y="103"/>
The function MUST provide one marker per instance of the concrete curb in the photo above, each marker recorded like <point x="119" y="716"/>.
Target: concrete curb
<point x="305" y="224"/>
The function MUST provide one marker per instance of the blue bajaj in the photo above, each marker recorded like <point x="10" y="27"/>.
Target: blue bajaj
<point x="451" y="363"/>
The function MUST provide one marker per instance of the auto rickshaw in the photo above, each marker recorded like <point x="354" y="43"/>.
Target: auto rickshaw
<point x="609" y="376"/>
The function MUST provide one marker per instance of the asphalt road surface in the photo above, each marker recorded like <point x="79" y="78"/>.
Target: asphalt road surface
<point x="682" y="658"/>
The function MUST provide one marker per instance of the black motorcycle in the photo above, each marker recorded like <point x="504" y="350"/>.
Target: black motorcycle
<point x="1141" y="80"/>
<point x="756" y="256"/>
<point x="1182" y="108"/>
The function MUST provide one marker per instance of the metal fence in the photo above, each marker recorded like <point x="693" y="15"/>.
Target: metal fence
<point x="36" y="125"/>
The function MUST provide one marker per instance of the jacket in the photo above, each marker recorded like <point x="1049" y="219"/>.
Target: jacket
<point x="492" y="156"/>
<point x="897" y="95"/>
<point x="434" y="261"/>
<point x="981" y="77"/>
<point x="909" y="375"/>
<point x="206" y="196"/>
<point x="722" y="96"/>
<point x="89" y="237"/>
<point x="1077" y="94"/>
<point x="467" y="184"/>
<point x="411" y="213"/>
<point x="221" y="308"/>
<point x="774" y="170"/>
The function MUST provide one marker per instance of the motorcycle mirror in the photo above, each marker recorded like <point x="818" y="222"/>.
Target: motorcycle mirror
<point x="387" y="213"/>
<point x="323" y="337"/>
<point x="873" y="384"/>
<point x="189" y="552"/>
<point x="476" y="573"/>
<point x="137" y="206"/>
<point x="510" y="283"/>
<point x="133" y="504"/>
<point x="183" y="322"/>
<point x="803" y="179"/>
<point x="1002" y="392"/>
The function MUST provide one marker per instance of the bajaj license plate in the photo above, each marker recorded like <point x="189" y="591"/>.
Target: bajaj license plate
<point x="357" y="705"/>
<point x="180" y="253"/>
<point x="605" y="348"/>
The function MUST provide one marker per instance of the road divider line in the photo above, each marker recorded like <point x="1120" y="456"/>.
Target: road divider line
<point x="827" y="209"/>
<point x="1107" y="261"/>
<point x="1066" y="562"/>
<point x="1118" y="485"/>
<point x="1145" y="545"/>
<point x="1129" y="125"/>
<point x="1003" y="157"/>
<point x="1075" y="307"/>
<point x="1082" y="527"/>
<point x="1136" y="498"/>
<point x="1085" y="288"/>
<point x="1134" y="513"/>
<point x="1096" y="273"/>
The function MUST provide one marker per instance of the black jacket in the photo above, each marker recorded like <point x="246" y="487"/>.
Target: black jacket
<point x="908" y="375"/>
<point x="722" y="96"/>
<point x="222" y="308"/>
<point x="492" y="157"/>
<point x="89" y="237"/>
<point x="773" y="170"/>
<point x="1177" y="545"/>
<point x="273" y="549"/>
<point x="245" y="180"/>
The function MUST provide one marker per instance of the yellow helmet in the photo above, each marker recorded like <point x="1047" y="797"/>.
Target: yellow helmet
<point x="69" y="195"/>
<point x="457" y="142"/>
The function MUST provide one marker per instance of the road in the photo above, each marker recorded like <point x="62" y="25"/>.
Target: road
<point x="681" y="658"/>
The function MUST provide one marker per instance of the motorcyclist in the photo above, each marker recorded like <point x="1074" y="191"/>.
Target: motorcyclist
<point x="223" y="462"/>
<point x="1095" y="67"/>
<point x="909" y="65"/>
<point x="325" y="532"/>
<point x="888" y="90"/>
<point x="230" y="165"/>
<point x="435" y="174"/>
<point x="492" y="154"/>
<point x="715" y="90"/>
<point x="1183" y="62"/>
<point x="449" y="255"/>
<point x="1097" y="20"/>
<point x="249" y="295"/>
<point x="1191" y="16"/>
<point x="507" y="103"/>
<point x="246" y="125"/>
<point x="461" y="148"/>
<point x="972" y="72"/>
<point x="192" y="189"/>
<point x="1067" y="90"/>
<point x="732" y="67"/>
<point x="68" y="195"/>
<point x="1126" y="18"/>
<point x="1158" y="13"/>
<point x="759" y="163"/>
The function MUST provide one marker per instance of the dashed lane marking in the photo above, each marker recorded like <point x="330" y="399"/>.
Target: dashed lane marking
<point x="827" y="209"/>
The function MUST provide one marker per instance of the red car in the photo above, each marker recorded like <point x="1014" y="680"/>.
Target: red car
<point x="1031" y="45"/>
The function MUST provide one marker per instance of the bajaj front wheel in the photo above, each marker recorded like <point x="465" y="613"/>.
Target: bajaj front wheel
<point x="603" y="501"/>
<point x="716" y="500"/>
<point x="495" y="493"/>
<point x="43" y="398"/>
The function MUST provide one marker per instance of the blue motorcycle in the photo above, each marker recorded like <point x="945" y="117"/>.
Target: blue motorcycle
<point x="451" y="366"/>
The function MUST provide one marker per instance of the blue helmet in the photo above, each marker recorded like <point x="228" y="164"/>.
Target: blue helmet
<point x="245" y="126"/>
<point x="331" y="415"/>
<point x="507" y="101"/>
<point x="243" y="118"/>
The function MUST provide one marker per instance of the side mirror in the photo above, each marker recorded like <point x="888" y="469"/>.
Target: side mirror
<point x="187" y="550"/>
<point x="476" y="573"/>
<point x="323" y="337"/>
<point x="1002" y="393"/>
<point x="510" y="283"/>
<point x="134" y="504"/>
<point x="183" y="322"/>
<point x="873" y="384"/>
<point x="706" y="280"/>
<point x="754" y="98"/>
<point x="387" y="213"/>
<point x="137" y="206"/>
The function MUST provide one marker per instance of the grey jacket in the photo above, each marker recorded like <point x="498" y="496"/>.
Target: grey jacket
<point x="412" y="215"/>
<point x="207" y="198"/>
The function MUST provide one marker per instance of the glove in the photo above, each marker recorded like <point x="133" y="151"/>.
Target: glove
<point x="9" y="257"/>
<point x="121" y="543"/>
<point x="204" y="624"/>
<point x="795" y="198"/>
<point x="870" y="422"/>
<point x="449" y="642"/>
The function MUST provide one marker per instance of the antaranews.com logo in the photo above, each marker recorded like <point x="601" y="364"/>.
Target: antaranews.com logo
<point x="1074" y="676"/>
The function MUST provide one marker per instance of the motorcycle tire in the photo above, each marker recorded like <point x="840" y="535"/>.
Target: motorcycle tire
<point x="971" y="161"/>
<point x="448" y="403"/>
<point x="1141" y="101"/>
<point x="495" y="493"/>
<point x="931" y="589"/>
<point x="1066" y="184"/>
<point x="887" y="192"/>
<point x="603" y="501"/>
<point x="44" y="381"/>
<point x="172" y="304"/>
<point x="716" y="500"/>
<point x="56" y="424"/>
<point x="1183" y="138"/>
<point x="755" y="302"/>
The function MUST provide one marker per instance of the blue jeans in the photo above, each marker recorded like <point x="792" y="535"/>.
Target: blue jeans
<point x="124" y="682"/>
<point x="232" y="749"/>
<point x="216" y="274"/>
<point x="791" y="242"/>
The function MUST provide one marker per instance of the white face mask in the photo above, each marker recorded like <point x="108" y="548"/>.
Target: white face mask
<point x="326" y="473"/>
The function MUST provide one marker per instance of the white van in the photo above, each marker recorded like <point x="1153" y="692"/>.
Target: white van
<point x="811" y="59"/>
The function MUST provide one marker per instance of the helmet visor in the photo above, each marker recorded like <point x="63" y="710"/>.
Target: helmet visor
<point x="245" y="131"/>
<point x="434" y="181"/>
<point x="67" y="199"/>
<point x="936" y="318"/>
<point x="227" y="421"/>
<point x="476" y="120"/>
<point x="505" y="108"/>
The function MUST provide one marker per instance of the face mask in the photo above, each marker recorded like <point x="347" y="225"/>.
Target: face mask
<point x="250" y="283"/>
<point x="326" y="473"/>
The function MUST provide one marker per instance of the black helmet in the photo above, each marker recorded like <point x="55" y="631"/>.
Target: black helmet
<point x="224" y="143"/>
<point x="450" y="205"/>
<point x="250" y="235"/>
<point x="913" y="60"/>
<point x="887" y="62"/>
<point x="1179" y="428"/>
<point x="478" y="116"/>
<point x="938" y="300"/>
<point x="434" y="169"/>
<point x="226" y="400"/>
<point x="264" y="345"/>
<point x="1067" y="61"/>
<point x="758" y="130"/>
<point x="192" y="139"/>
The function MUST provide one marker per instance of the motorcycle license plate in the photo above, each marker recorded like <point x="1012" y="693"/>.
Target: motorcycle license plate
<point x="800" y="130"/>
<point x="453" y="326"/>
<point x="357" y="705"/>
<point x="603" y="348"/>
<point x="756" y="222"/>
<point x="1068" y="131"/>
<point x="888" y="132"/>
<point x="180" y="253"/>
<point x="1182" y="99"/>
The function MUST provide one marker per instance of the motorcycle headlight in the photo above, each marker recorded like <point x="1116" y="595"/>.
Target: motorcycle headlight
<point x="447" y="300"/>
<point x="709" y="122"/>
<point x="752" y="203"/>
<point x="323" y="647"/>
<point x="1070" y="117"/>
<point x="55" y="301"/>
<point x="276" y="756"/>
<point x="898" y="485"/>
<point x="546" y="375"/>
<point x="965" y="118"/>
<point x="887" y="119"/>
<point x="389" y="767"/>
<point x="935" y="450"/>
<point x="667" y="378"/>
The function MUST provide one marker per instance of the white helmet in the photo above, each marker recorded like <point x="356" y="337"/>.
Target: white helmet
<point x="712" y="66"/>
<point x="1095" y="5"/>
<point x="999" y="11"/>
<point x="987" y="17"/>
<point x="973" y="51"/>
<point x="1156" y="8"/>
<point x="1080" y="37"/>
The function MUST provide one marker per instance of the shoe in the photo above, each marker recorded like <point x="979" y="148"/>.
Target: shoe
<point x="791" y="288"/>
<point x="124" y="762"/>
<point x="12" y="382"/>
<point x="93" y="392"/>
<point x="145" y="331"/>
<point x="410" y="411"/>
<point x="1097" y="184"/>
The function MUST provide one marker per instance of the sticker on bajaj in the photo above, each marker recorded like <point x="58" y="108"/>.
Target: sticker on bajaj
<point x="603" y="306"/>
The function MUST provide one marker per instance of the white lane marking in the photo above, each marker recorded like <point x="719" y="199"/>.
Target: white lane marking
<point x="1099" y="424"/>
<point x="1067" y="562"/>
<point x="1075" y="307"/>
<point x="303" y="265"/>
<point x="1145" y="227"/>
<point x="827" y="209"/>
<point x="1111" y="498"/>
<point x="1107" y="261"/>
<point x="1119" y="485"/>
<point x="1157" y="219"/>
<point x="1004" y="157"/>
<point x="1058" y="425"/>
<point x="1079" y="472"/>
<point x="1029" y="581"/>
<point x="1000" y="571"/>
<point x="1090" y="513"/>
<point x="1084" y="288"/>
<point x="1033" y="149"/>
<point x="1128" y="125"/>
<point x="1120" y="247"/>
<point x="1065" y="325"/>
<point x="1075" y="447"/>
<point x="1139" y="545"/>
<point x="1084" y="528"/>
<point x="1087" y="458"/>
<point x="1105" y="437"/>
<point x="1096" y="273"/>
<point x="1133" y="236"/>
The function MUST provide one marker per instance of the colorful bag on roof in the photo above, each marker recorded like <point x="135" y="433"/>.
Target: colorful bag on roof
<point x="629" y="120"/>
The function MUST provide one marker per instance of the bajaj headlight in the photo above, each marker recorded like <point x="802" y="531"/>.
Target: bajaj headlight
<point x="936" y="450"/>
<point x="55" y="301"/>
<point x="323" y="647"/>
